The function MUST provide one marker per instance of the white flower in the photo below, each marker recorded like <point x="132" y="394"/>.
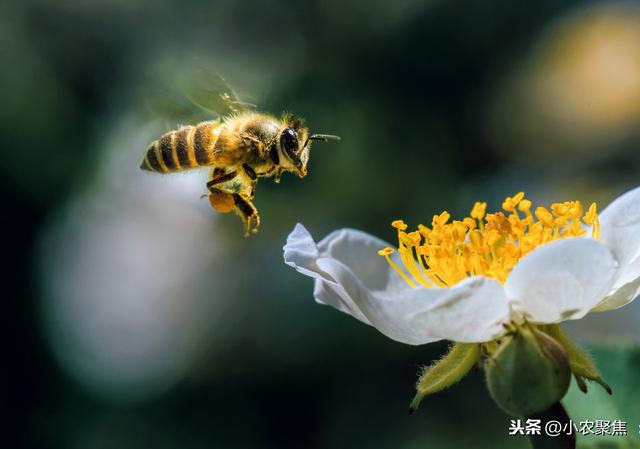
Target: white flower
<point x="505" y="268"/>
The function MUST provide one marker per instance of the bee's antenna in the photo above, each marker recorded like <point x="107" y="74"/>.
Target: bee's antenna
<point x="323" y="137"/>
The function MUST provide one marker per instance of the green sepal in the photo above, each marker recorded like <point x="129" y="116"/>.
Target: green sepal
<point x="446" y="371"/>
<point x="582" y="385"/>
<point x="581" y="364"/>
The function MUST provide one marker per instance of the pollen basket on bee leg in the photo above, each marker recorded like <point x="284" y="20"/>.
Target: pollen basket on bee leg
<point x="221" y="201"/>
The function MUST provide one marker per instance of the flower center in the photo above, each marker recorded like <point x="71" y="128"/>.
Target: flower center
<point x="485" y="244"/>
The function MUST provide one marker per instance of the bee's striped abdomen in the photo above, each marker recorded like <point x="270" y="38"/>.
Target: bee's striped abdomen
<point x="182" y="149"/>
<point x="202" y="144"/>
<point x="167" y="152"/>
<point x="151" y="161"/>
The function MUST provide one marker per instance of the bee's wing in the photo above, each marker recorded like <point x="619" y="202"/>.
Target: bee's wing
<point x="173" y="110"/>
<point x="192" y="96"/>
<point x="210" y="92"/>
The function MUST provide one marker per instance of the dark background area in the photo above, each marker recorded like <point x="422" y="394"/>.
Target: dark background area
<point x="136" y="317"/>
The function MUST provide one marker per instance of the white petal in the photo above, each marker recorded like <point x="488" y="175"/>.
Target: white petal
<point x="355" y="249"/>
<point x="561" y="280"/>
<point x="625" y="289"/>
<point x="301" y="252"/>
<point x="620" y="228"/>
<point x="350" y="276"/>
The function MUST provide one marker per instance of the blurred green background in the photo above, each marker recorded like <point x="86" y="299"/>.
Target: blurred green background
<point x="138" y="317"/>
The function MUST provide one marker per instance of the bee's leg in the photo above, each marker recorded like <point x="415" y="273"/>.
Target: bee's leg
<point x="219" y="179"/>
<point x="251" y="173"/>
<point x="252" y="191"/>
<point x="253" y="176"/>
<point x="248" y="213"/>
<point x="219" y="199"/>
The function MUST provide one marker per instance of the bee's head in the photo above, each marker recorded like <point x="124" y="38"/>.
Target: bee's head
<point x="290" y="145"/>
<point x="293" y="145"/>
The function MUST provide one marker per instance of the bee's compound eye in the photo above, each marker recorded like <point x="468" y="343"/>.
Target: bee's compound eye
<point x="289" y="140"/>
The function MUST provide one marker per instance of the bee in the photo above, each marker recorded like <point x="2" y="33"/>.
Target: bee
<point x="238" y="150"/>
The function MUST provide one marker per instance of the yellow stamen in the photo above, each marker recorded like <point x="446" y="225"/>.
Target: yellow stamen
<point x="525" y="206"/>
<point x="510" y="203"/>
<point x="407" y="243"/>
<point x="385" y="252"/>
<point x="484" y="244"/>
<point x="399" y="224"/>
<point x="478" y="211"/>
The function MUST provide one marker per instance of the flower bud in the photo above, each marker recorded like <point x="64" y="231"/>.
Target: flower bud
<point x="528" y="372"/>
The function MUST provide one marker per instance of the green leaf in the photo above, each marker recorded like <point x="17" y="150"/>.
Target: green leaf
<point x="446" y="371"/>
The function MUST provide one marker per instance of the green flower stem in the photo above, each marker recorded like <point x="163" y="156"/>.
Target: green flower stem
<point x="562" y="441"/>
<point x="446" y="371"/>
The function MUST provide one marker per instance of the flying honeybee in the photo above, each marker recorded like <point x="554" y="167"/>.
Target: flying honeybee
<point x="238" y="148"/>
